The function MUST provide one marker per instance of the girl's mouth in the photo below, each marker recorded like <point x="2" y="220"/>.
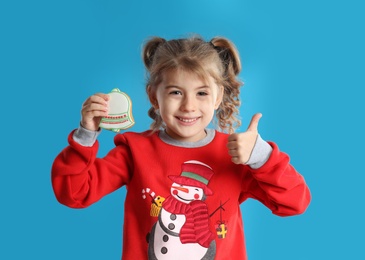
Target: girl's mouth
<point x="187" y="120"/>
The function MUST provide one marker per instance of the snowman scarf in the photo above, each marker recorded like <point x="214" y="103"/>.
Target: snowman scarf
<point x="196" y="227"/>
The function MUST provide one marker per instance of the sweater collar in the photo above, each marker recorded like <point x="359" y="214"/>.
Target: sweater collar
<point x="169" y="140"/>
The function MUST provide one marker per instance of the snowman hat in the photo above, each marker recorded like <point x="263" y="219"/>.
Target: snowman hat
<point x="194" y="173"/>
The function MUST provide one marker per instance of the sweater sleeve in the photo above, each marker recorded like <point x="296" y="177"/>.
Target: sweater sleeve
<point x="277" y="185"/>
<point x="79" y="178"/>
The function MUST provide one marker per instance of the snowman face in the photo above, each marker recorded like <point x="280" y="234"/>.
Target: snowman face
<point x="185" y="193"/>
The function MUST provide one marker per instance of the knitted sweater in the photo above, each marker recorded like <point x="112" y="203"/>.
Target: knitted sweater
<point x="143" y="162"/>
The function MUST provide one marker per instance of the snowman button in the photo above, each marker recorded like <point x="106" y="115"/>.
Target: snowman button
<point x="164" y="250"/>
<point x="171" y="226"/>
<point x="165" y="238"/>
<point x="173" y="217"/>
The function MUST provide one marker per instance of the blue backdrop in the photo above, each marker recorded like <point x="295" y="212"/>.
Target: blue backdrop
<point x="303" y="67"/>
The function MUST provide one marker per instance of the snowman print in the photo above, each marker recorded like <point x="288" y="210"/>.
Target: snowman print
<point x="182" y="229"/>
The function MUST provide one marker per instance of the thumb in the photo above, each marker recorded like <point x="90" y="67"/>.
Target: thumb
<point x="254" y="122"/>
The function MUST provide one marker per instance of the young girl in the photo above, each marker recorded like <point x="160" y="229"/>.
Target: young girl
<point x="185" y="182"/>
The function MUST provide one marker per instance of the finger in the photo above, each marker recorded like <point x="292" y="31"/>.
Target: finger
<point x="100" y="98"/>
<point x="233" y="152"/>
<point x="106" y="97"/>
<point x="237" y="160"/>
<point x="94" y="100"/>
<point x="232" y="146"/>
<point x="95" y="107"/>
<point x="254" y="122"/>
<point x="232" y="138"/>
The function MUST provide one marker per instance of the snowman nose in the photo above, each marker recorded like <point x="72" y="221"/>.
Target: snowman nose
<point x="181" y="189"/>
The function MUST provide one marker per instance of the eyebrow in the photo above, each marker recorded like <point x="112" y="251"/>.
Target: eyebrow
<point x="173" y="86"/>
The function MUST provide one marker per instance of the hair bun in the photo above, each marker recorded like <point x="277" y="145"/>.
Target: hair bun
<point x="149" y="50"/>
<point x="228" y="53"/>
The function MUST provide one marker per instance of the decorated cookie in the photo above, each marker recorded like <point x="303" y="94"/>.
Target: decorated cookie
<point x="119" y="112"/>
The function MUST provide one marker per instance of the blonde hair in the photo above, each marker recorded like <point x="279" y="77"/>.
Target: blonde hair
<point x="195" y="55"/>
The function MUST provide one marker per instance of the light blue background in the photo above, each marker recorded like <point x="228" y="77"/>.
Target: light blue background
<point x="303" y="68"/>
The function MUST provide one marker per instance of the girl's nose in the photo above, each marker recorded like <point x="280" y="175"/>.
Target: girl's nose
<point x="188" y="104"/>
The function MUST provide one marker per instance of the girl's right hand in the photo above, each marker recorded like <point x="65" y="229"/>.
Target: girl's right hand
<point x="93" y="109"/>
<point x="240" y="145"/>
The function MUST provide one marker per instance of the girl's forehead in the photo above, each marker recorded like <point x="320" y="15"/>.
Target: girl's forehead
<point x="181" y="75"/>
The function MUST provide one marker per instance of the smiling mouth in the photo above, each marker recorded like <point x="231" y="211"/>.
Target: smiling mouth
<point x="188" y="120"/>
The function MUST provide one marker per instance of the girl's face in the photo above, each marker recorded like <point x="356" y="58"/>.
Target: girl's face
<point x="186" y="104"/>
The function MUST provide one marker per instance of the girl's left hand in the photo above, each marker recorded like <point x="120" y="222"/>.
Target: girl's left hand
<point x="240" y="145"/>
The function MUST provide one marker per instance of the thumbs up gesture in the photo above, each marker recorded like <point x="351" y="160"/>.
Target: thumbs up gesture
<point x="240" y="145"/>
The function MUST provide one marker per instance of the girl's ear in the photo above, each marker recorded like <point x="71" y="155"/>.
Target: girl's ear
<point x="152" y="96"/>
<point x="219" y="97"/>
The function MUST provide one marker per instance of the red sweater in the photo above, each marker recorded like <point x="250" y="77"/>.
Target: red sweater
<point x="143" y="162"/>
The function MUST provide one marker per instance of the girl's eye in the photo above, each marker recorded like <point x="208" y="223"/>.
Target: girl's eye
<point x="202" y="93"/>
<point x="175" y="92"/>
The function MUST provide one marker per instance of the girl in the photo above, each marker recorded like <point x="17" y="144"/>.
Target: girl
<point x="185" y="182"/>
